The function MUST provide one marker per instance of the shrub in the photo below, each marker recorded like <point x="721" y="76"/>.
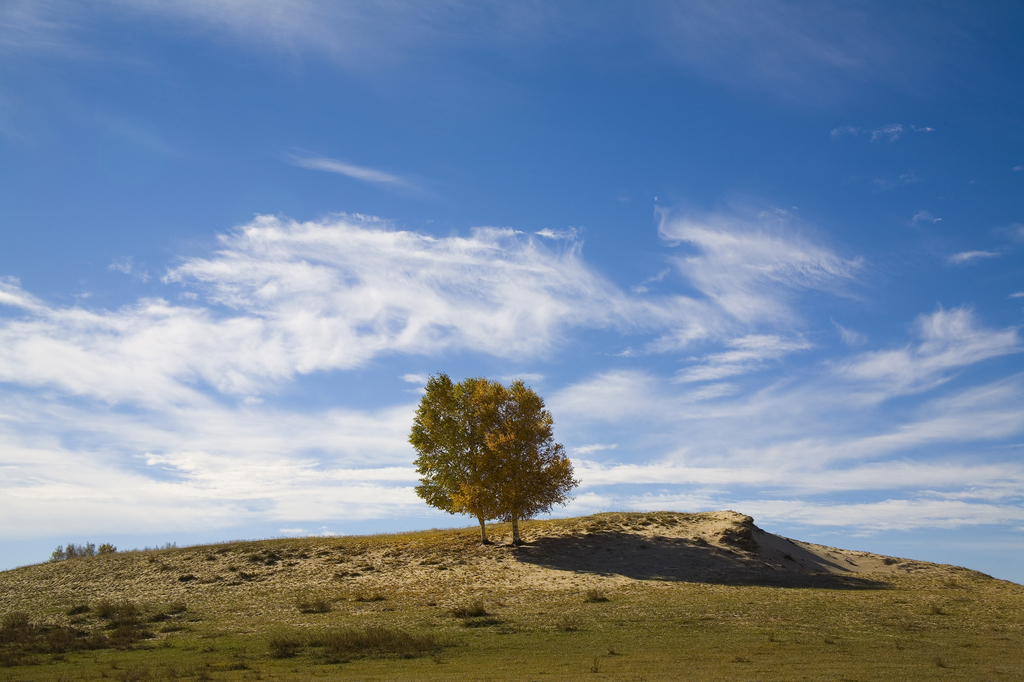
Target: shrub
<point x="283" y="645"/>
<point x="595" y="596"/>
<point x="124" y="636"/>
<point x="474" y="610"/>
<point x="376" y="641"/>
<point x="73" y="551"/>
<point x="107" y="548"/>
<point x="15" y="620"/>
<point x="78" y="609"/>
<point x="105" y="608"/>
<point x="309" y="604"/>
<point x="126" y="613"/>
<point x="60" y="640"/>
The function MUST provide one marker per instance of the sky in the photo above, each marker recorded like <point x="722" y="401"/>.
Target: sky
<point x="755" y="255"/>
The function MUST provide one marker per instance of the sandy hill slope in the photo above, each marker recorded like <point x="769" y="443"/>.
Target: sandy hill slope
<point x="604" y="551"/>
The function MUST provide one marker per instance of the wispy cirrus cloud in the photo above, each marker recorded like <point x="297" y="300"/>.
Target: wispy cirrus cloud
<point x="965" y="257"/>
<point x="353" y="171"/>
<point x="795" y="52"/>
<point x="889" y="132"/>
<point x="950" y="340"/>
<point x="849" y="336"/>
<point x="746" y="354"/>
<point x="750" y="268"/>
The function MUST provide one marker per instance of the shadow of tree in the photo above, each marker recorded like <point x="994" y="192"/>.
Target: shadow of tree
<point x="676" y="559"/>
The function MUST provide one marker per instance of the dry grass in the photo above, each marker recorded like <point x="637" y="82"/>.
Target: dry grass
<point x="689" y="601"/>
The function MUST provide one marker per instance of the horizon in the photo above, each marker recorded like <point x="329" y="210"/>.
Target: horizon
<point x="754" y="256"/>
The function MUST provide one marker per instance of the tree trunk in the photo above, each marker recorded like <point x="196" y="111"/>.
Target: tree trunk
<point x="516" y="540"/>
<point x="483" y="532"/>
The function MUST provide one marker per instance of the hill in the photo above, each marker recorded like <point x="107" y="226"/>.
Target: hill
<point x="609" y="596"/>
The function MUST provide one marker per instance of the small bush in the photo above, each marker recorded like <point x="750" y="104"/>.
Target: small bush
<point x="594" y="596"/>
<point x="15" y="620"/>
<point x="78" y="609"/>
<point x="127" y="614"/>
<point x="61" y="640"/>
<point x="283" y="645"/>
<point x="106" y="548"/>
<point x="105" y="608"/>
<point x="124" y="636"/>
<point x="307" y="604"/>
<point x="177" y="607"/>
<point x="474" y="610"/>
<point x="376" y="641"/>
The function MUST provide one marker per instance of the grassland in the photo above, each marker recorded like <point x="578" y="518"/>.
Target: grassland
<point x="659" y="596"/>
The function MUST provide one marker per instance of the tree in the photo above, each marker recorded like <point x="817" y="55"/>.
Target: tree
<point x="488" y="451"/>
<point x="450" y="434"/>
<point x="530" y="472"/>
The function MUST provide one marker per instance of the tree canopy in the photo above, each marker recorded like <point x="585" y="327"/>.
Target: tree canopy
<point x="489" y="451"/>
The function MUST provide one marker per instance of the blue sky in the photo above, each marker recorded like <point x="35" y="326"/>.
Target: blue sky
<point x="755" y="255"/>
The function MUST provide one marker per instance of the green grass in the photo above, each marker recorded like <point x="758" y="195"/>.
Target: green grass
<point x="949" y="624"/>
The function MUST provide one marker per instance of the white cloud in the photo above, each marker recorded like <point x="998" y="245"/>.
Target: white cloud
<point x="299" y="298"/>
<point x="350" y="170"/>
<point x="1013" y="232"/>
<point x="281" y="299"/>
<point x="1018" y="168"/>
<point x="849" y="336"/>
<point x="11" y="294"/>
<point x="1017" y="294"/>
<point x="924" y="216"/>
<point x="971" y="481"/>
<point x="75" y="468"/>
<point x="581" y="450"/>
<point x="642" y="288"/>
<point x="610" y="396"/>
<point x="816" y="54"/>
<point x="127" y="266"/>
<point x="527" y="378"/>
<point x="746" y="354"/>
<point x="750" y="268"/>
<point x="418" y="379"/>
<point x="892" y="514"/>
<point x="571" y="233"/>
<point x="891" y="131"/>
<point x="844" y="130"/>
<point x="950" y="339"/>
<point x="969" y="256"/>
